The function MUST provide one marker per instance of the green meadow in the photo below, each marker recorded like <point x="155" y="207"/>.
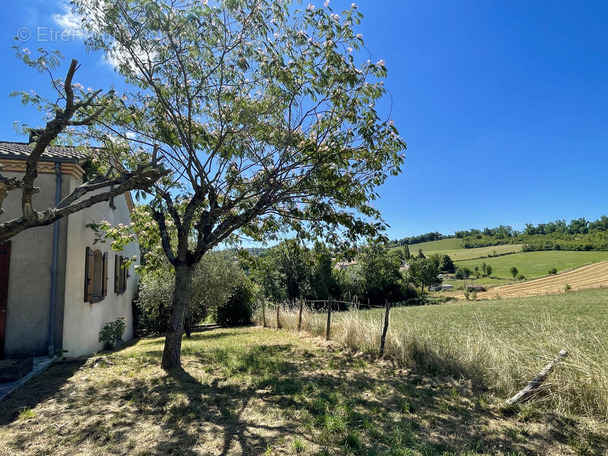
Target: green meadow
<point x="534" y="264"/>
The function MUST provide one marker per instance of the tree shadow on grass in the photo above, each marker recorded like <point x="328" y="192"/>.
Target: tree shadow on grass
<point x="244" y="399"/>
<point x="38" y="389"/>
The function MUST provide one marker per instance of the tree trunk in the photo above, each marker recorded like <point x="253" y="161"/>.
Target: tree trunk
<point x="181" y="299"/>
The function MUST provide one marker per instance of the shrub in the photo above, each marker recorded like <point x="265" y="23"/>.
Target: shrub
<point x="521" y="277"/>
<point x="112" y="333"/>
<point x="462" y="273"/>
<point x="238" y="309"/>
<point x="552" y="271"/>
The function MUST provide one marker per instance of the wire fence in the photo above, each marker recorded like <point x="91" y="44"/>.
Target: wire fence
<point x="328" y="306"/>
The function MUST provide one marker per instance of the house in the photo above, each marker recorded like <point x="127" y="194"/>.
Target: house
<point x="58" y="288"/>
<point x="343" y="265"/>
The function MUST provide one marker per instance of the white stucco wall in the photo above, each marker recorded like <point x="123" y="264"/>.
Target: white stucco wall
<point x="83" y="320"/>
<point x="29" y="289"/>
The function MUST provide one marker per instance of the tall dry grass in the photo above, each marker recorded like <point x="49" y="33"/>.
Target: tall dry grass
<point x="487" y="351"/>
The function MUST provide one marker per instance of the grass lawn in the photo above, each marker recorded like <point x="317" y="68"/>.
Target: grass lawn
<point x="262" y="391"/>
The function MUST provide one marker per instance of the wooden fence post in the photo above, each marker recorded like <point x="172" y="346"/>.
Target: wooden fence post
<point x="264" y="312"/>
<point x="278" y="316"/>
<point x="300" y="314"/>
<point x="385" y="329"/>
<point x="328" y="327"/>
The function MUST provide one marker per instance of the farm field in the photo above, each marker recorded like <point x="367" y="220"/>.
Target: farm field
<point x="535" y="264"/>
<point x="452" y="248"/>
<point x="586" y="277"/>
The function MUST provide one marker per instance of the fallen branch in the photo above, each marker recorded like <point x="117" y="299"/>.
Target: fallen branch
<point x="535" y="384"/>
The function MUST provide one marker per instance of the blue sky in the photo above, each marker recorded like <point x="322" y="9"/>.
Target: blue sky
<point x="503" y="104"/>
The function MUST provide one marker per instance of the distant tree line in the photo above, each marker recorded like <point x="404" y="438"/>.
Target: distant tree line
<point x="579" y="234"/>
<point x="428" y="237"/>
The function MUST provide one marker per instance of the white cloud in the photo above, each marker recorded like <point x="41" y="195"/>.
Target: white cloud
<point x="69" y="21"/>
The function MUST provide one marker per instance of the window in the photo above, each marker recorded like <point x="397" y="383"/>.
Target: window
<point x="96" y="275"/>
<point x="121" y="274"/>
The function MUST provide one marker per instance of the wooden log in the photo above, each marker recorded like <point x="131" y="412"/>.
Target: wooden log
<point x="535" y="384"/>
<point x="328" y="326"/>
<point x="264" y="312"/>
<point x="385" y="329"/>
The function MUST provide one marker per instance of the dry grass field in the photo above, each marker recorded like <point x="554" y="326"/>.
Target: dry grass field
<point x="588" y="277"/>
<point x="499" y="344"/>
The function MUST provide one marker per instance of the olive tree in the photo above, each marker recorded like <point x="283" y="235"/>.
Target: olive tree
<point x="265" y="113"/>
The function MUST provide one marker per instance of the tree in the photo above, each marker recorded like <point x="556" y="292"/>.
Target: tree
<point x="514" y="271"/>
<point x="323" y="280"/>
<point x="73" y="110"/>
<point x="420" y="254"/>
<point x="423" y="272"/>
<point x="462" y="273"/>
<point x="264" y="115"/>
<point x="290" y="270"/>
<point x="294" y="263"/>
<point x="489" y="270"/>
<point x="379" y="276"/>
<point x="446" y="264"/>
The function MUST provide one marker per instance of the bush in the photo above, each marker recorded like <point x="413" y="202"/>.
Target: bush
<point x="112" y="333"/>
<point x="462" y="273"/>
<point x="552" y="271"/>
<point x="238" y="309"/>
<point x="521" y="277"/>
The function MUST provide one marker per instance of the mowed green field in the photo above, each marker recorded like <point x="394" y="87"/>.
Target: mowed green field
<point x="535" y="264"/>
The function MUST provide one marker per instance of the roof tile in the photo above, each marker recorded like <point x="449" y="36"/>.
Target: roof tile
<point x="21" y="151"/>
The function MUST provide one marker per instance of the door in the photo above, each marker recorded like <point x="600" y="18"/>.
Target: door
<point x="5" y="261"/>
